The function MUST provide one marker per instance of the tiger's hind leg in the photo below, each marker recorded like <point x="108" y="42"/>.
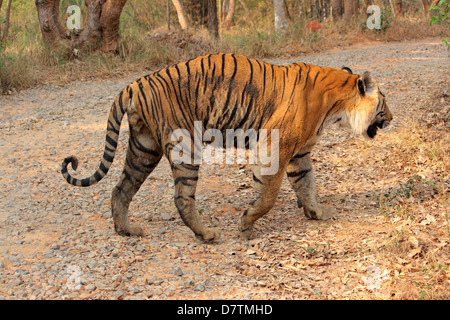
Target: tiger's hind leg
<point x="142" y="157"/>
<point x="301" y="177"/>
<point x="185" y="178"/>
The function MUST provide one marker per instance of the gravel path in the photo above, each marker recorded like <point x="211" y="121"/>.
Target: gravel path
<point x="58" y="242"/>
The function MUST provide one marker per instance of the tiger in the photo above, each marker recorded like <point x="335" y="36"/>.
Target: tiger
<point x="229" y="91"/>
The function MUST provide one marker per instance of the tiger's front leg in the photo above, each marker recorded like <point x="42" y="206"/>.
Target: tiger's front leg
<point x="301" y="176"/>
<point x="266" y="188"/>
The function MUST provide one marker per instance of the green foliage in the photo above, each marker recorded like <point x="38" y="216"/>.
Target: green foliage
<point x="386" y="18"/>
<point x="442" y="16"/>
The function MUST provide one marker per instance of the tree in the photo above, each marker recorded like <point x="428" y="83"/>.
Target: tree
<point x="181" y="15"/>
<point x="101" y="30"/>
<point x="349" y="8"/>
<point x="6" y="29"/>
<point x="337" y="8"/>
<point x="228" y="21"/>
<point x="213" y="21"/>
<point x="280" y="15"/>
<point x="427" y="4"/>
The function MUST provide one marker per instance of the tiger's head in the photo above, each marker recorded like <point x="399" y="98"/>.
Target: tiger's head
<point x="369" y="110"/>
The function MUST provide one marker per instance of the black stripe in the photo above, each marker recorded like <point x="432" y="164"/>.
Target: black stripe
<point x="111" y="141"/>
<point x="107" y="157"/>
<point x="141" y="148"/>
<point x="345" y="82"/>
<point x="264" y="79"/>
<point x="283" y="88"/>
<point x="223" y="66"/>
<point x="202" y="67"/>
<point x="103" y="168"/>
<point x="184" y="166"/>
<point x="326" y="116"/>
<point x="209" y="61"/>
<point x="255" y="179"/>
<point x="300" y="174"/>
<point x="97" y="176"/>
<point x="184" y="180"/>
<point x="141" y="90"/>
<point x="180" y="104"/>
<point x="315" y="78"/>
<point x="127" y="175"/>
<point x="85" y="182"/>
<point x="112" y="128"/>
<point x="134" y="166"/>
<point x="235" y="68"/>
<point x="130" y="93"/>
<point x="121" y="103"/>
<point x="188" y="72"/>
<point x="299" y="155"/>
<point x="114" y="114"/>
<point x="251" y="70"/>
<point x="297" y="80"/>
<point x="307" y="76"/>
<point x="166" y="93"/>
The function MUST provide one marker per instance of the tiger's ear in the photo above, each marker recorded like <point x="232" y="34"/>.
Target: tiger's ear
<point x="347" y="69"/>
<point x="365" y="83"/>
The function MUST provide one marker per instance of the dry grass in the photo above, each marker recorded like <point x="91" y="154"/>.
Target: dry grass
<point x="417" y="208"/>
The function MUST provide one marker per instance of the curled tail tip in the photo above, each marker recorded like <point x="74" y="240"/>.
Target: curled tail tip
<point x="73" y="160"/>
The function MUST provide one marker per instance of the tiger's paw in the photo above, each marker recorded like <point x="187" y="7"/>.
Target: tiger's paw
<point x="245" y="234"/>
<point x="209" y="235"/>
<point x="131" y="230"/>
<point x="324" y="213"/>
<point x="245" y="230"/>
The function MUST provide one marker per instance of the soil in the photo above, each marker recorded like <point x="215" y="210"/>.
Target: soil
<point x="58" y="242"/>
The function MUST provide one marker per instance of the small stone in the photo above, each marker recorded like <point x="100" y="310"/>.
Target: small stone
<point x="118" y="294"/>
<point x="91" y="287"/>
<point x="165" y="216"/>
<point x="199" y="287"/>
<point x="178" y="272"/>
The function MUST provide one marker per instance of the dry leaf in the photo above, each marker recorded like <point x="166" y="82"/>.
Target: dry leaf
<point x="427" y="220"/>
<point x="413" y="241"/>
<point x="414" y="252"/>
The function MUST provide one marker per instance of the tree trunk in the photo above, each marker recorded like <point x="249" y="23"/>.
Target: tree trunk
<point x="109" y="25"/>
<point x="280" y="15"/>
<point x="51" y="29"/>
<point x="1" y="3"/>
<point x="229" y="18"/>
<point x="213" y="22"/>
<point x="348" y="9"/>
<point x="426" y="6"/>
<point x="92" y="34"/>
<point x="181" y="15"/>
<point x="338" y="9"/>
<point x="6" y="29"/>
<point x="100" y="32"/>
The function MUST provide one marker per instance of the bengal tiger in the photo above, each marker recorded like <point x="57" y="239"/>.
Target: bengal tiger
<point x="226" y="91"/>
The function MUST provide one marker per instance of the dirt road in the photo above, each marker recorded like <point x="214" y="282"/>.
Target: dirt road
<point x="57" y="241"/>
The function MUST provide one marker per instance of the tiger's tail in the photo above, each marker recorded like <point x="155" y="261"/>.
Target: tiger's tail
<point x="116" y="114"/>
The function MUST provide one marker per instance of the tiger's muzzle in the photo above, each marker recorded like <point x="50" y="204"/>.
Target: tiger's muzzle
<point x="379" y="123"/>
